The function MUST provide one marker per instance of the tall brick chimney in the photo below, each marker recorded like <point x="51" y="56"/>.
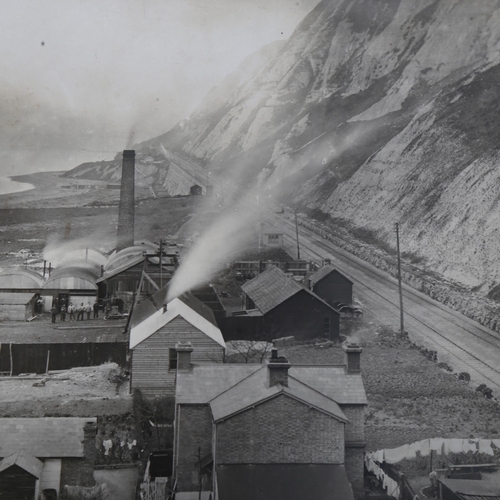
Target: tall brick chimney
<point x="184" y="350"/>
<point x="86" y="469"/>
<point x="125" y="233"/>
<point x="278" y="369"/>
<point x="353" y="355"/>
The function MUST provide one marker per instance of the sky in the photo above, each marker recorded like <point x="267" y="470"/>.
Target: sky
<point x="79" y="77"/>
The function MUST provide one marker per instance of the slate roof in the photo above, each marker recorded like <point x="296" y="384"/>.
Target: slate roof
<point x="332" y="381"/>
<point x="187" y="306"/>
<point x="24" y="460"/>
<point x="322" y="273"/>
<point x="43" y="437"/>
<point x="255" y="389"/>
<point x="290" y="481"/>
<point x="204" y="383"/>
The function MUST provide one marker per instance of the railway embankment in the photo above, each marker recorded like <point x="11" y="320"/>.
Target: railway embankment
<point x="466" y="300"/>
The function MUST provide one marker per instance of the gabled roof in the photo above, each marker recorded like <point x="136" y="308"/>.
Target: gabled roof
<point x="323" y="272"/>
<point x="188" y="307"/>
<point x="24" y="460"/>
<point x="204" y="383"/>
<point x="43" y="437"/>
<point x="273" y="287"/>
<point x="270" y="288"/>
<point x="290" y="481"/>
<point x="255" y="390"/>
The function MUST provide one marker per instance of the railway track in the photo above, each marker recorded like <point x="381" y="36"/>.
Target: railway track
<point x="459" y="341"/>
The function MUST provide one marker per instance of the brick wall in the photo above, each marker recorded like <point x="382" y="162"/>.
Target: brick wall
<point x="80" y="471"/>
<point x="281" y="430"/>
<point x="355" y="428"/>
<point x="354" y="466"/>
<point x="193" y="430"/>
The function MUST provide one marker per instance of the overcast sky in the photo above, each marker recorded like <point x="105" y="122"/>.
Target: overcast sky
<point x="78" y="76"/>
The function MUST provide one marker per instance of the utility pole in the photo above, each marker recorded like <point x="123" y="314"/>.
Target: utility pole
<point x="161" y="263"/>
<point x="402" y="326"/>
<point x="297" y="235"/>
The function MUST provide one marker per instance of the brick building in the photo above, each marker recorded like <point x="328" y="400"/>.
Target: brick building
<point x="45" y="454"/>
<point x="331" y="285"/>
<point x="156" y="330"/>
<point x="291" y="431"/>
<point x="288" y="308"/>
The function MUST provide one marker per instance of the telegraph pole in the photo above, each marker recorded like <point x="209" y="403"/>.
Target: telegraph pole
<point x="297" y="235"/>
<point x="402" y="326"/>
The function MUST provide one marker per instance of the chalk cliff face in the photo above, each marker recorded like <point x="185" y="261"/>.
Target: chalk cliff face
<point x="374" y="111"/>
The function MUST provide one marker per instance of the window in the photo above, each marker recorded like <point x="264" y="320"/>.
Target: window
<point x="273" y="238"/>
<point x="172" y="359"/>
<point x="326" y="326"/>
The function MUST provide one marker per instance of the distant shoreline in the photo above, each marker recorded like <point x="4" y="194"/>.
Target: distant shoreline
<point x="11" y="185"/>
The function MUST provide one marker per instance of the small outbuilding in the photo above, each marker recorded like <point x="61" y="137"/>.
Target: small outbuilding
<point x="17" y="306"/>
<point x="290" y="309"/>
<point x="331" y="285"/>
<point x="158" y="328"/>
<point x="41" y="455"/>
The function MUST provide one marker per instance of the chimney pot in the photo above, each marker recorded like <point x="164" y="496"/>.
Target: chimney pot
<point x="353" y="355"/>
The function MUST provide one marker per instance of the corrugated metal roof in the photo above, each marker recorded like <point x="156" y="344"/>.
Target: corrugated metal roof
<point x="276" y="481"/>
<point x="20" y="278"/>
<point x="120" y="269"/>
<point x="322" y="273"/>
<point x="270" y="289"/>
<point x="43" y="437"/>
<point x="255" y="389"/>
<point x="205" y="382"/>
<point x="24" y="460"/>
<point x="87" y="274"/>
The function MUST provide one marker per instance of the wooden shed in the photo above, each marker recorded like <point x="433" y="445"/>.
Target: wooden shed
<point x="290" y="309"/>
<point x="16" y="306"/>
<point x="331" y="285"/>
<point x="157" y="328"/>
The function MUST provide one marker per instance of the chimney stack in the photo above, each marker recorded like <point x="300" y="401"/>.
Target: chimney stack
<point x="125" y="233"/>
<point x="184" y="350"/>
<point x="278" y="369"/>
<point x="353" y="355"/>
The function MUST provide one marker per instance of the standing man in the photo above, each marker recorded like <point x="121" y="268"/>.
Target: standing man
<point x="63" y="313"/>
<point x="88" y="309"/>
<point x="71" y="311"/>
<point x="81" y="310"/>
<point x="53" y="313"/>
<point x="96" y="310"/>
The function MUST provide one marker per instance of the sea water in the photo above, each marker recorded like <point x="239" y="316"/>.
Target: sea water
<point x="7" y="186"/>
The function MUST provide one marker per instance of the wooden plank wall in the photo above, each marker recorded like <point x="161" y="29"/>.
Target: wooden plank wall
<point x="150" y="371"/>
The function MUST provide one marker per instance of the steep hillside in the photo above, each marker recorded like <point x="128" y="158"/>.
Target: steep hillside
<point x="374" y="111"/>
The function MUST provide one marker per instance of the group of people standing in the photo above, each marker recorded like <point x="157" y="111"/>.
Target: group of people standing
<point x="75" y="312"/>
